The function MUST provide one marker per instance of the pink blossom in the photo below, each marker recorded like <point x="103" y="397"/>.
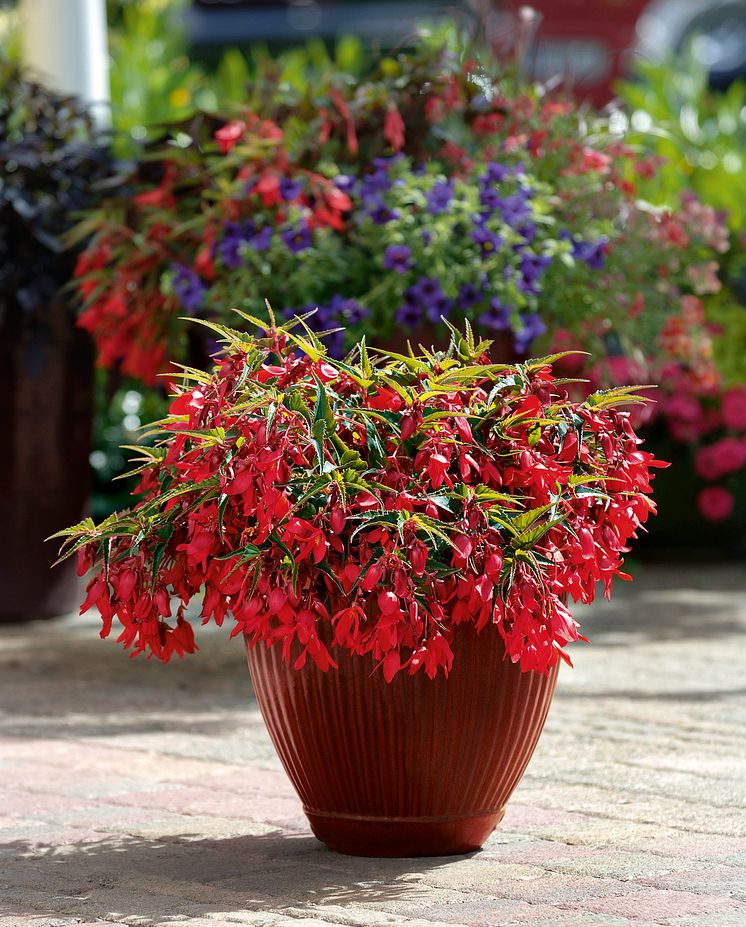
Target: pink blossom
<point x="684" y="407"/>
<point x="716" y="503"/>
<point x="721" y="458"/>
<point x="734" y="408"/>
<point x="705" y="278"/>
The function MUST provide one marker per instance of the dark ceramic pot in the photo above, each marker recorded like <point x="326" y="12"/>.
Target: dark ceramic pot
<point x="415" y="767"/>
<point x="46" y="388"/>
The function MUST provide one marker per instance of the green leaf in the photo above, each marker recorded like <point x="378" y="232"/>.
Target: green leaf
<point x="323" y="411"/>
<point x="526" y="539"/>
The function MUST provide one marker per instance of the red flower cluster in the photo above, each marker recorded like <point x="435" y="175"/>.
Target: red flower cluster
<point x="372" y="507"/>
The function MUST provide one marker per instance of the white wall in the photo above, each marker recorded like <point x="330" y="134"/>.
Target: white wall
<point x="64" y="45"/>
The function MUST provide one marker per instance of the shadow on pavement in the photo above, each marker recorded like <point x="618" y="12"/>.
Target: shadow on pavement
<point x="663" y="614"/>
<point x="160" y="878"/>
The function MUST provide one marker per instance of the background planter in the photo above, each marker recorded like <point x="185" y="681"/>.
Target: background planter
<point x="46" y="377"/>
<point x="417" y="767"/>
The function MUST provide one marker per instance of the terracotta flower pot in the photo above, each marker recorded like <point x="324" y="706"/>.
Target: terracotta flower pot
<point x="415" y="767"/>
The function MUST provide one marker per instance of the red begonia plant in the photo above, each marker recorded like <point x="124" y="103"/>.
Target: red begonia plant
<point x="372" y="504"/>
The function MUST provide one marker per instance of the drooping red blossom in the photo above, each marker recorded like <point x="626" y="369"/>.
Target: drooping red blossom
<point x="372" y="507"/>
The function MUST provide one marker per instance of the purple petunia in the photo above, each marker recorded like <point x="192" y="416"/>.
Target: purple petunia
<point x="397" y="258"/>
<point x="427" y="290"/>
<point x="515" y="208"/>
<point x="290" y="189"/>
<point x="379" y="212"/>
<point x="229" y="252"/>
<point x="531" y="268"/>
<point x="188" y="288"/>
<point x="425" y="299"/>
<point x="344" y="182"/>
<point x="348" y="310"/>
<point x="373" y="185"/>
<point x="488" y="241"/>
<point x="229" y="249"/>
<point x="409" y="314"/>
<point x="296" y="239"/>
<point x="531" y="327"/>
<point x="438" y="309"/>
<point x="262" y="239"/>
<point x="469" y="296"/>
<point x="495" y="173"/>
<point x="439" y="198"/>
<point x="592" y="253"/>
<point x="497" y="317"/>
<point x="335" y="344"/>
<point x="490" y="199"/>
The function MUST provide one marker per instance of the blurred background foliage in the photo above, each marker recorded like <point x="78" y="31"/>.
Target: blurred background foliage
<point x="670" y="110"/>
<point x="699" y="132"/>
<point x="154" y="80"/>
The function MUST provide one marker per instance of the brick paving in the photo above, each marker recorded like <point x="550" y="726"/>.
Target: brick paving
<point x="132" y="793"/>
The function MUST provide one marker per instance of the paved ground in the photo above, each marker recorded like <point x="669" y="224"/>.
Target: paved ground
<point x="140" y="794"/>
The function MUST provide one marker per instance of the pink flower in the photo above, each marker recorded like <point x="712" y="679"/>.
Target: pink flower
<point x="716" y="503"/>
<point x="704" y="277"/>
<point x="229" y="135"/>
<point x="684" y="408"/>
<point x="721" y="458"/>
<point x="734" y="408"/>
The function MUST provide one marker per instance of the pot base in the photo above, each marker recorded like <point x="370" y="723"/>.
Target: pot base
<point x="361" y="835"/>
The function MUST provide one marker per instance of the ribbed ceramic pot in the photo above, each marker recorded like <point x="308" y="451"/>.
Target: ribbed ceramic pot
<point x="415" y="767"/>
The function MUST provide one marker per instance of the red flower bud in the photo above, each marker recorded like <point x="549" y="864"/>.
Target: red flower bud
<point x="372" y="576"/>
<point x="418" y="557"/>
<point x="337" y="519"/>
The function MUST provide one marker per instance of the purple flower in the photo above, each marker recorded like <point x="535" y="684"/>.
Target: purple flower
<point x="296" y="239"/>
<point x="344" y="182"/>
<point x="397" y="258"/>
<point x="439" y="198"/>
<point x="531" y="327"/>
<point x="593" y="253"/>
<point x="321" y="318"/>
<point x="262" y="239"/>
<point x="379" y="212"/>
<point x="290" y="189"/>
<point x="495" y="173"/>
<point x="372" y="185"/>
<point x="490" y="199"/>
<point x="496" y="317"/>
<point x="335" y="344"/>
<point x="469" y="296"/>
<point x="427" y="290"/>
<point x="234" y="235"/>
<point x="348" y="310"/>
<point x="488" y="241"/>
<point x="438" y="309"/>
<point x="515" y="209"/>
<point x="384" y="163"/>
<point x="188" y="288"/>
<point x="427" y="237"/>
<point x="409" y="315"/>
<point x="229" y="251"/>
<point x="532" y="267"/>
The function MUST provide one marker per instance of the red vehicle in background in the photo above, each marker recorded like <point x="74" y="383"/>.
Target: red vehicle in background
<point x="586" y="43"/>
